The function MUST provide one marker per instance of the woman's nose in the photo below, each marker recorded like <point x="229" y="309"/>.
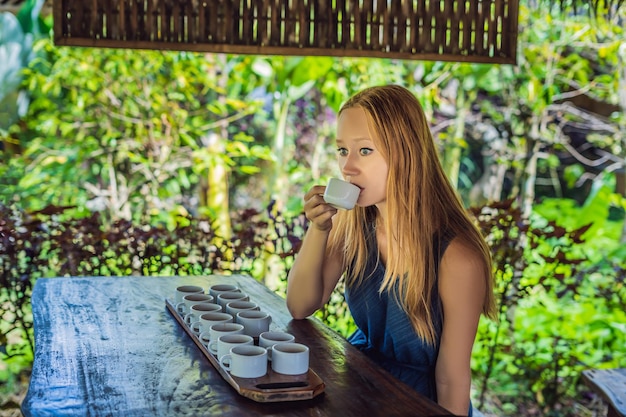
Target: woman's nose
<point x="350" y="166"/>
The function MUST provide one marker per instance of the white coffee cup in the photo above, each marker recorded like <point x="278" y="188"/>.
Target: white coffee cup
<point x="191" y="299"/>
<point x="226" y="342"/>
<point x="254" y="322"/>
<point x="237" y="306"/>
<point x="183" y="290"/>
<point x="217" y="289"/>
<point x="270" y="338"/>
<point x="341" y="194"/>
<point x="196" y="310"/>
<point x="228" y="296"/>
<point x="209" y="319"/>
<point x="221" y="329"/>
<point x="246" y="361"/>
<point x="290" y="358"/>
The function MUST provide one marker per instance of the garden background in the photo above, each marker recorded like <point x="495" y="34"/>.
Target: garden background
<point x="133" y="162"/>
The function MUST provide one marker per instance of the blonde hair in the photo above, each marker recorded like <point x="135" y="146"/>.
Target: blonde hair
<point x="421" y="205"/>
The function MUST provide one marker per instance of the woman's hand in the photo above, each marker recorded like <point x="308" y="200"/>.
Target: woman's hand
<point x="317" y="210"/>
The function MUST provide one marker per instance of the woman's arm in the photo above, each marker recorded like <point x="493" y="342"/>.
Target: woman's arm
<point x="462" y="290"/>
<point x="314" y="274"/>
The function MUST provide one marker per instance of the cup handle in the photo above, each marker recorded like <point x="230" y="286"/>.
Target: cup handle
<point x="187" y="319"/>
<point x="213" y="347"/>
<point x="225" y="361"/>
<point x="195" y="327"/>
<point x="203" y="338"/>
<point x="180" y="307"/>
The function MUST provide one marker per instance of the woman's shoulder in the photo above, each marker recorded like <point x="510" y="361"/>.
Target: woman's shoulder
<point x="457" y="247"/>
<point x="462" y="267"/>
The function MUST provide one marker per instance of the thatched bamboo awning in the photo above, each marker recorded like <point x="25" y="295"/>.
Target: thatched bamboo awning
<point x="447" y="30"/>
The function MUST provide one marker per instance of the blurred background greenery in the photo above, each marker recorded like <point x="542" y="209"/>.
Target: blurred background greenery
<point x="136" y="162"/>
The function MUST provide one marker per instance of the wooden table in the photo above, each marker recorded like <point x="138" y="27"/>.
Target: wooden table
<point x="610" y="384"/>
<point x="107" y="346"/>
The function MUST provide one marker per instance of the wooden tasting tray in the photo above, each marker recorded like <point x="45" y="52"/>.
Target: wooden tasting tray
<point x="272" y="387"/>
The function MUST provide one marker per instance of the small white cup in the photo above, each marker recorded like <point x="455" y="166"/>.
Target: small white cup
<point x="269" y="339"/>
<point x="196" y="310"/>
<point x="341" y="194"/>
<point x="254" y="322"/>
<point x="290" y="358"/>
<point x="246" y="361"/>
<point x="183" y="290"/>
<point x="228" y="296"/>
<point x="238" y="306"/>
<point x="191" y="299"/>
<point x="217" y="289"/>
<point x="221" y="329"/>
<point x="226" y="342"/>
<point x="209" y="319"/>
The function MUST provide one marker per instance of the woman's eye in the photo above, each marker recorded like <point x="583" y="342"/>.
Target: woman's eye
<point x="342" y="151"/>
<point x="366" y="151"/>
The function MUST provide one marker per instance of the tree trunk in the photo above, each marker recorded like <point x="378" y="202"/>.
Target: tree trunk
<point x="217" y="187"/>
<point x="452" y="156"/>
<point x="216" y="197"/>
<point x="530" y="172"/>
<point x="278" y="188"/>
<point x="279" y="178"/>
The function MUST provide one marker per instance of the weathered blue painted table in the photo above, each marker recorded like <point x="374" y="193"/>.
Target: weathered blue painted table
<point x="109" y="347"/>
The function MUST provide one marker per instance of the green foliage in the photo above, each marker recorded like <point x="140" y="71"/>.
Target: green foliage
<point x="562" y="301"/>
<point x="15" y="52"/>
<point x="602" y="239"/>
<point x="138" y="123"/>
<point x="17" y="35"/>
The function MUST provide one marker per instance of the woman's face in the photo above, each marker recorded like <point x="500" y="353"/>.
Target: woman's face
<point x="359" y="160"/>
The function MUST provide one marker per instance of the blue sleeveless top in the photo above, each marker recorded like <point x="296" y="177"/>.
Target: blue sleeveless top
<point x="385" y="333"/>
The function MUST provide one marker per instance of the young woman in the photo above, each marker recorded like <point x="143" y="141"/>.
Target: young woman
<point x="417" y="270"/>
